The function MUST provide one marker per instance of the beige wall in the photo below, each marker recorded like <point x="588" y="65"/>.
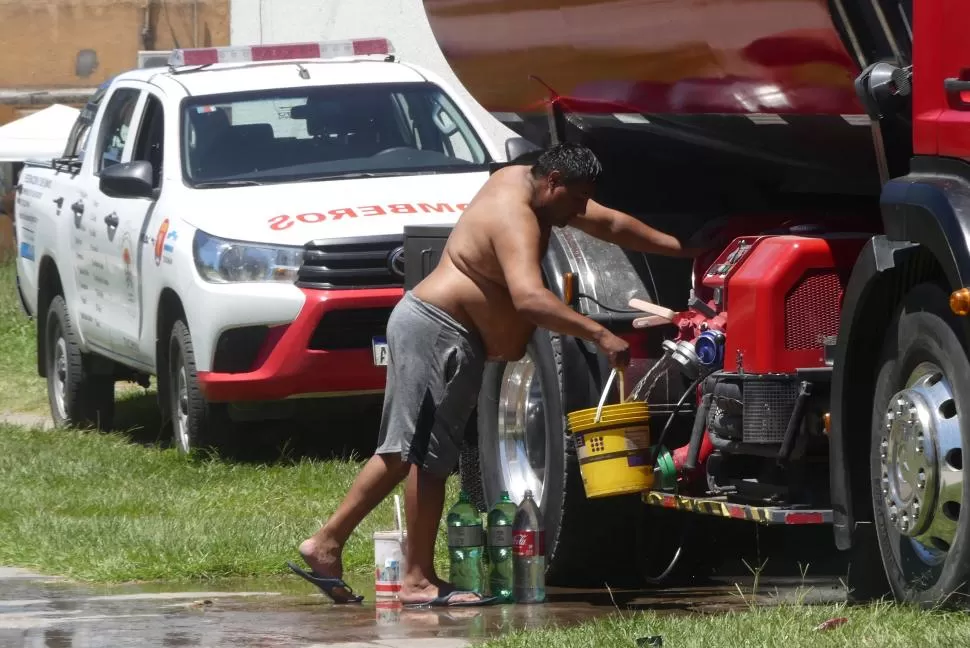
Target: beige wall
<point x="41" y="39"/>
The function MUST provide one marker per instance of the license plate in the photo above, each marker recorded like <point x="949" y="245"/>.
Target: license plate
<point x="380" y="349"/>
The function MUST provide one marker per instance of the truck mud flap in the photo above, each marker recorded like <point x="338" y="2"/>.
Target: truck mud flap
<point x="720" y="507"/>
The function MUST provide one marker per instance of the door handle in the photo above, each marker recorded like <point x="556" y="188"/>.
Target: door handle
<point x="954" y="85"/>
<point x="111" y="220"/>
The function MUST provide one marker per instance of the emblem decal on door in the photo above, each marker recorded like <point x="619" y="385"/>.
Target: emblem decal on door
<point x="127" y="260"/>
<point x="160" y="241"/>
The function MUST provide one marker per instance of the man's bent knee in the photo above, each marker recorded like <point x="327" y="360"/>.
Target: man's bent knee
<point x="393" y="461"/>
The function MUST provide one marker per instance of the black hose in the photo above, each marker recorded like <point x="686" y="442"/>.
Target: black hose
<point x="582" y="295"/>
<point x="697" y="434"/>
<point x="670" y="419"/>
<point x="658" y="580"/>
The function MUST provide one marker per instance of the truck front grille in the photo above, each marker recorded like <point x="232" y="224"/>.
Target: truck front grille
<point x="365" y="262"/>
<point x="768" y="405"/>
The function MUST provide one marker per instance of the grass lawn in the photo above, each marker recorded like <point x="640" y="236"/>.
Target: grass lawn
<point x="97" y="507"/>
<point x="21" y="389"/>
<point x="786" y="626"/>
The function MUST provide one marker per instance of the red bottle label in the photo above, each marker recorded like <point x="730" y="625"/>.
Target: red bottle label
<point x="529" y="544"/>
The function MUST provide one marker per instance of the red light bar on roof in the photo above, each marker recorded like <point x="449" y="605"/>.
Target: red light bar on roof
<point x="282" y="52"/>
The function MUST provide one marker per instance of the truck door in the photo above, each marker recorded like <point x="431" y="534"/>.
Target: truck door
<point x="941" y="84"/>
<point x="129" y="253"/>
<point x="94" y="218"/>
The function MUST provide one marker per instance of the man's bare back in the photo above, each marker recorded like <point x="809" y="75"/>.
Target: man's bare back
<point x="469" y="282"/>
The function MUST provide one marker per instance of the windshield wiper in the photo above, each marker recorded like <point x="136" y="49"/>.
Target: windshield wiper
<point x="228" y="183"/>
<point x="352" y="175"/>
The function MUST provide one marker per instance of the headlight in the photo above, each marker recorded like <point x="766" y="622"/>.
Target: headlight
<point x="224" y="261"/>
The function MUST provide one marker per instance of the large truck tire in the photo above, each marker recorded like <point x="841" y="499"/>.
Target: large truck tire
<point x="77" y="397"/>
<point x="521" y="443"/>
<point x="920" y="425"/>
<point x="196" y="423"/>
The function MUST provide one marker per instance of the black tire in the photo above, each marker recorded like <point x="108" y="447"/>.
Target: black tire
<point x="588" y="542"/>
<point x="923" y="331"/>
<point x="196" y="423"/>
<point x="77" y="397"/>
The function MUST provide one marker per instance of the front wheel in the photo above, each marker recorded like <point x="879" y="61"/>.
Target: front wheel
<point x="919" y="429"/>
<point x="195" y="422"/>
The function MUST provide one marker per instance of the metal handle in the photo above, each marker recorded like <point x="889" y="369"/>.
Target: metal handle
<point x="615" y="322"/>
<point x="111" y="220"/>
<point x="606" y="390"/>
<point x="954" y="85"/>
<point x="78" y="207"/>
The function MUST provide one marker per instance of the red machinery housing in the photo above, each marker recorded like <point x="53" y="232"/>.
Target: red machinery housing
<point x="782" y="296"/>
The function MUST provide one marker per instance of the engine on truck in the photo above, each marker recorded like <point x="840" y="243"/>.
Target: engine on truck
<point x="755" y="347"/>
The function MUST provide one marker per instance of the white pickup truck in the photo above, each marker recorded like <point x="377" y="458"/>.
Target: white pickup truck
<point x="233" y="225"/>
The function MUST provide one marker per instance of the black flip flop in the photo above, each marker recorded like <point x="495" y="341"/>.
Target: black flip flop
<point x="326" y="584"/>
<point x="445" y="601"/>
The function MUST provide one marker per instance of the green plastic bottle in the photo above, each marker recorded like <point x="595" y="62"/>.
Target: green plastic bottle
<point x="500" y="521"/>
<point x="466" y="546"/>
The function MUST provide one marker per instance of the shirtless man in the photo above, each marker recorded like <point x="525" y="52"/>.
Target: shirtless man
<point x="483" y="301"/>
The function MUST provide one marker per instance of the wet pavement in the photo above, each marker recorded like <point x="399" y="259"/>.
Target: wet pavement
<point x="43" y="612"/>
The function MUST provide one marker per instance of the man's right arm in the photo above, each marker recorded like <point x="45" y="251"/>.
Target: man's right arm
<point x="516" y="245"/>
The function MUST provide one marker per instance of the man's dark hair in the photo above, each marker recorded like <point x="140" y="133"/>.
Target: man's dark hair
<point x="576" y="163"/>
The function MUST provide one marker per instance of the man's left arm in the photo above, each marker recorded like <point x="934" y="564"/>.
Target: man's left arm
<point x="626" y="231"/>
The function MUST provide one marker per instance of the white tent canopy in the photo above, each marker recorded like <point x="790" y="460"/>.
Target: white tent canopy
<point x="39" y="136"/>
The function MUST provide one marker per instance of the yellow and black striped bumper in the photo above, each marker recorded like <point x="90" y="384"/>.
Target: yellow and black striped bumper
<point x="722" y="508"/>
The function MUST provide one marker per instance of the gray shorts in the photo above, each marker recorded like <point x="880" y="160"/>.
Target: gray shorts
<point x="434" y="374"/>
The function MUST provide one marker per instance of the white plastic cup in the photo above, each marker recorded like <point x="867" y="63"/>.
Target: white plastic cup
<point x="388" y="612"/>
<point x="390" y="548"/>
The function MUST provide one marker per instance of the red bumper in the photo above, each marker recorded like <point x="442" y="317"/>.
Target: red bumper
<point x="296" y="359"/>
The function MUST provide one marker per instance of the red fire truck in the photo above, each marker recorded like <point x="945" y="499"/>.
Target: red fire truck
<point x="816" y="371"/>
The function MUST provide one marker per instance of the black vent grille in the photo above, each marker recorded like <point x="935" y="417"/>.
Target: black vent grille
<point x="237" y="349"/>
<point x="366" y="262"/>
<point x="349" y="329"/>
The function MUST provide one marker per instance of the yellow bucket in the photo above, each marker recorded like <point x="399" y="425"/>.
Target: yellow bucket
<point x="613" y="445"/>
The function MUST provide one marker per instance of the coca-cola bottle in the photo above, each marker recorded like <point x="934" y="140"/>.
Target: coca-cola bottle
<point x="528" y="553"/>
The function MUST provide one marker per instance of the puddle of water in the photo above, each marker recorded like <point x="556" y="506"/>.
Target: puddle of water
<point x="285" y="612"/>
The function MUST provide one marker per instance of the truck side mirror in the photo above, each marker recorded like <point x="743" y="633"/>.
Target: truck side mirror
<point x="516" y="147"/>
<point x="128" y="180"/>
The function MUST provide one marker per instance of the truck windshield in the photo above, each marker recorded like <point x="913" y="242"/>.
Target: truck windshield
<point x="320" y="133"/>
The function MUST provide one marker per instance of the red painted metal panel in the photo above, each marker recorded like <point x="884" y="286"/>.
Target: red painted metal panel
<point x="650" y="56"/>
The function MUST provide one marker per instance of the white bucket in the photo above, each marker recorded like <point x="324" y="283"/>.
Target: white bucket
<point x="390" y="547"/>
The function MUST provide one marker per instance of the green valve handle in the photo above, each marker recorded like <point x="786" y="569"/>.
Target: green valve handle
<point x="666" y="469"/>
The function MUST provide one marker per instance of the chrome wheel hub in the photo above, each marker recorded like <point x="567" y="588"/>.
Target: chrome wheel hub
<point x="181" y="414"/>
<point x="921" y="461"/>
<point x="60" y="377"/>
<point x="522" y="430"/>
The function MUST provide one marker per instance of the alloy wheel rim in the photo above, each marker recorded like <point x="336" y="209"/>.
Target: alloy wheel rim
<point x="522" y="430"/>
<point x="921" y="463"/>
